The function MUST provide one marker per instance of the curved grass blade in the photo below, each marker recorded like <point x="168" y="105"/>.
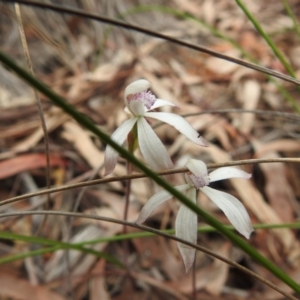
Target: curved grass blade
<point x="56" y="245"/>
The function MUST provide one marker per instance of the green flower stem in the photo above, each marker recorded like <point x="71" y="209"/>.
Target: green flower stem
<point x="87" y="123"/>
<point x="266" y="37"/>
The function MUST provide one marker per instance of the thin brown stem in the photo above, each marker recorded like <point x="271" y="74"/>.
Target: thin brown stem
<point x="125" y="214"/>
<point x="81" y="13"/>
<point x="139" y="175"/>
<point x="157" y="232"/>
<point x="265" y="113"/>
<point x="127" y="195"/>
<point x="194" y="293"/>
<point x="40" y="110"/>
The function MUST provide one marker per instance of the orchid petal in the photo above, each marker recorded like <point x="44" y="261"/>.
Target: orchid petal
<point x="135" y="87"/>
<point x="119" y="136"/>
<point x="152" y="148"/>
<point x="162" y="102"/>
<point x="226" y="173"/>
<point x="197" y="167"/>
<point x="232" y="208"/>
<point x="186" y="229"/>
<point x="180" y="124"/>
<point x="155" y="201"/>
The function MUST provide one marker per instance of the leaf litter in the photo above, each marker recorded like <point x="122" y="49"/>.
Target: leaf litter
<point x="90" y="64"/>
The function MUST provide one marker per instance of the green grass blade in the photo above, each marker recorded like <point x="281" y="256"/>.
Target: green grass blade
<point x="267" y="38"/>
<point x="56" y="245"/>
<point x="80" y="246"/>
<point x="292" y="16"/>
<point x="187" y="16"/>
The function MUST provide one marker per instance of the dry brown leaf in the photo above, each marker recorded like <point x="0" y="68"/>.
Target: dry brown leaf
<point x="147" y="251"/>
<point x="185" y="77"/>
<point x="161" y="285"/>
<point x="283" y="145"/>
<point x="223" y="67"/>
<point x="27" y="162"/>
<point x="270" y="294"/>
<point x="211" y="277"/>
<point x="208" y="12"/>
<point x="97" y="283"/>
<point x="116" y="203"/>
<point x="83" y="143"/>
<point x="295" y="56"/>
<point x="219" y="130"/>
<point x="216" y="284"/>
<point x="249" y="95"/>
<point x="78" y="262"/>
<point x="31" y="141"/>
<point x="152" y="64"/>
<point x="106" y="72"/>
<point x="278" y="190"/>
<point x="20" y="289"/>
<point x="9" y="100"/>
<point x="19" y="130"/>
<point x="253" y="44"/>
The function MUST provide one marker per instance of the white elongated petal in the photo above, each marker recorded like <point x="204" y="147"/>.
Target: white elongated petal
<point x="135" y="87"/>
<point x="186" y="229"/>
<point x="162" y="102"/>
<point x="152" y="148"/>
<point x="197" y="167"/>
<point x="155" y="201"/>
<point x="232" y="208"/>
<point x="226" y="173"/>
<point x="180" y="124"/>
<point x="119" y="136"/>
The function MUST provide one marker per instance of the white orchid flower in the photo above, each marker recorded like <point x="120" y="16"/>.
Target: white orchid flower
<point x="139" y="101"/>
<point x="186" y="220"/>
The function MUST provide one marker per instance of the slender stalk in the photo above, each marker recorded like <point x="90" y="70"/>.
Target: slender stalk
<point x="194" y="277"/>
<point x="127" y="195"/>
<point x="140" y="175"/>
<point x="81" y="13"/>
<point x="40" y="110"/>
<point x="269" y="113"/>
<point x="125" y="216"/>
